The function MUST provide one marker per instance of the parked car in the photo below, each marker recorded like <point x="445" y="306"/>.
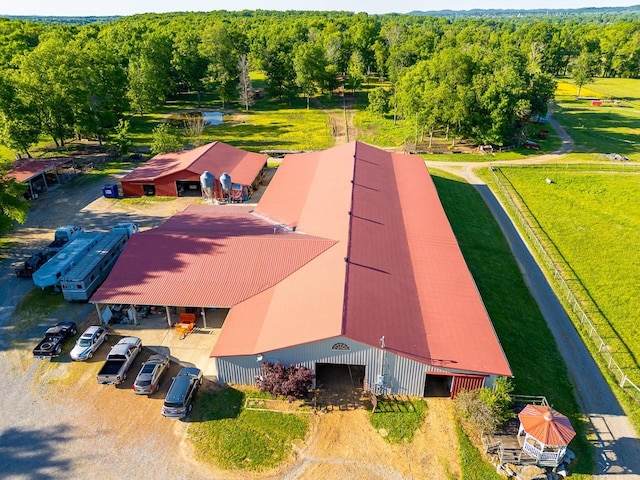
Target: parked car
<point x="51" y="345"/>
<point x="88" y="343"/>
<point x="150" y="374"/>
<point x="179" y="400"/>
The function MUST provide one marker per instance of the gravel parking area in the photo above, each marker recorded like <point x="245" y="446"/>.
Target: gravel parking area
<point x="57" y="422"/>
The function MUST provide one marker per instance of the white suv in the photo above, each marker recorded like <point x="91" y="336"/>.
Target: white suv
<point x="88" y="343"/>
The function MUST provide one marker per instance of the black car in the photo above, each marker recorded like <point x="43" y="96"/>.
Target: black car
<point x="179" y="400"/>
<point x="51" y="345"/>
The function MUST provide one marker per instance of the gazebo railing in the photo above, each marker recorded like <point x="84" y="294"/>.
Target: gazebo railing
<point x="530" y="399"/>
<point x="543" y="457"/>
<point x="531" y="450"/>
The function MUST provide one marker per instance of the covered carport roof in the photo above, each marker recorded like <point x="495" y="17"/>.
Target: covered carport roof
<point x="206" y="256"/>
<point x="25" y="170"/>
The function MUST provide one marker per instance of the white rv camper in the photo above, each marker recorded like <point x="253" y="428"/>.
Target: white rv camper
<point x="81" y="281"/>
<point x="50" y="274"/>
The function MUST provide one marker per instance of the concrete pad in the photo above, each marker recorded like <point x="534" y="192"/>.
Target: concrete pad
<point x="191" y="350"/>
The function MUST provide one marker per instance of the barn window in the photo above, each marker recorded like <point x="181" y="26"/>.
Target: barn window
<point x="340" y="346"/>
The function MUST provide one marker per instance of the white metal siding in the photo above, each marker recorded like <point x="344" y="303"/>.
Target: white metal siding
<point x="401" y="375"/>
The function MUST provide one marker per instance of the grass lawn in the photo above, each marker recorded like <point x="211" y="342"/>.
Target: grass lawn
<point x="268" y="125"/>
<point x="626" y="89"/>
<point x="6" y="244"/>
<point x="606" y="128"/>
<point x="399" y="419"/>
<point x="592" y="221"/>
<point x="384" y="132"/>
<point x="473" y="466"/>
<point x="528" y="343"/>
<point x="234" y="438"/>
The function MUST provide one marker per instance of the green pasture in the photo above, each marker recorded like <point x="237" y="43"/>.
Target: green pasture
<point x="266" y="126"/>
<point x="384" y="131"/>
<point x="612" y="127"/>
<point x="528" y="343"/>
<point x="589" y="221"/>
<point x="625" y="89"/>
<point x="226" y="434"/>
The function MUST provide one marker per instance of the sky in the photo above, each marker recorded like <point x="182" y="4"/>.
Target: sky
<point x="81" y="8"/>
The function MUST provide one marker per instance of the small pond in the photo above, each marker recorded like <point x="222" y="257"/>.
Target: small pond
<point x="212" y="118"/>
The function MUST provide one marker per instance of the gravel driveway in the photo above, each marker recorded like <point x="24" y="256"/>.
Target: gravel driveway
<point x="78" y="429"/>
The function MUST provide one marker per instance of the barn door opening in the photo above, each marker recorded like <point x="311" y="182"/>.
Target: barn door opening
<point x="466" y="382"/>
<point x="334" y="375"/>
<point x="149" y="190"/>
<point x="340" y="386"/>
<point x="438" y="385"/>
<point x="189" y="188"/>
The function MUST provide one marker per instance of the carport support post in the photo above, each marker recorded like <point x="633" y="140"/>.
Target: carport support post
<point x="168" y="316"/>
<point x="99" y="312"/>
<point x="204" y="317"/>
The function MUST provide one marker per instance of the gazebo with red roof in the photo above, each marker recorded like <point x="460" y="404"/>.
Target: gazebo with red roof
<point x="547" y="434"/>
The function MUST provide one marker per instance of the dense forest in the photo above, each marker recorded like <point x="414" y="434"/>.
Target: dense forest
<point x="472" y="77"/>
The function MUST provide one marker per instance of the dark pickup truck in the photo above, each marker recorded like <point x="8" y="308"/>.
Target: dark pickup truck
<point x="51" y="345"/>
<point x="33" y="263"/>
<point x="62" y="236"/>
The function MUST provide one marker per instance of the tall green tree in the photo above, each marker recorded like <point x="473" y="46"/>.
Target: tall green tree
<point x="583" y="69"/>
<point x="379" y="99"/>
<point x="189" y="63"/>
<point x="355" y="72"/>
<point x="165" y="139"/>
<point x="50" y="80"/>
<point x="13" y="206"/>
<point x="122" y="137"/>
<point x="19" y="123"/>
<point x="149" y="74"/>
<point x="310" y="65"/>
<point x="102" y="99"/>
<point x="280" y="72"/>
<point x="222" y="47"/>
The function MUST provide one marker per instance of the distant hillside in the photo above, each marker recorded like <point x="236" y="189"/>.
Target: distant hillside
<point x="477" y="12"/>
<point x="68" y="20"/>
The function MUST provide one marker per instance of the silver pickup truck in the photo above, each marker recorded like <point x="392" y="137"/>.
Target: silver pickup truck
<point x="119" y="359"/>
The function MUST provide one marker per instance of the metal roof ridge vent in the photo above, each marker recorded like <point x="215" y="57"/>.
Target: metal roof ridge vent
<point x="284" y="228"/>
<point x="272" y="222"/>
<point x="345" y="296"/>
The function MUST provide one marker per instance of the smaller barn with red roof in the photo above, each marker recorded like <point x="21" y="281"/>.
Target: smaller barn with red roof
<point x="177" y="174"/>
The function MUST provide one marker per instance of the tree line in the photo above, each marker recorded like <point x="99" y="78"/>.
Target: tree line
<point x="471" y="76"/>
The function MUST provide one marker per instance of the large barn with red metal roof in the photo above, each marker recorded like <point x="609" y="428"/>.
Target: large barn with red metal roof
<point x="177" y="174"/>
<point x="347" y="260"/>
